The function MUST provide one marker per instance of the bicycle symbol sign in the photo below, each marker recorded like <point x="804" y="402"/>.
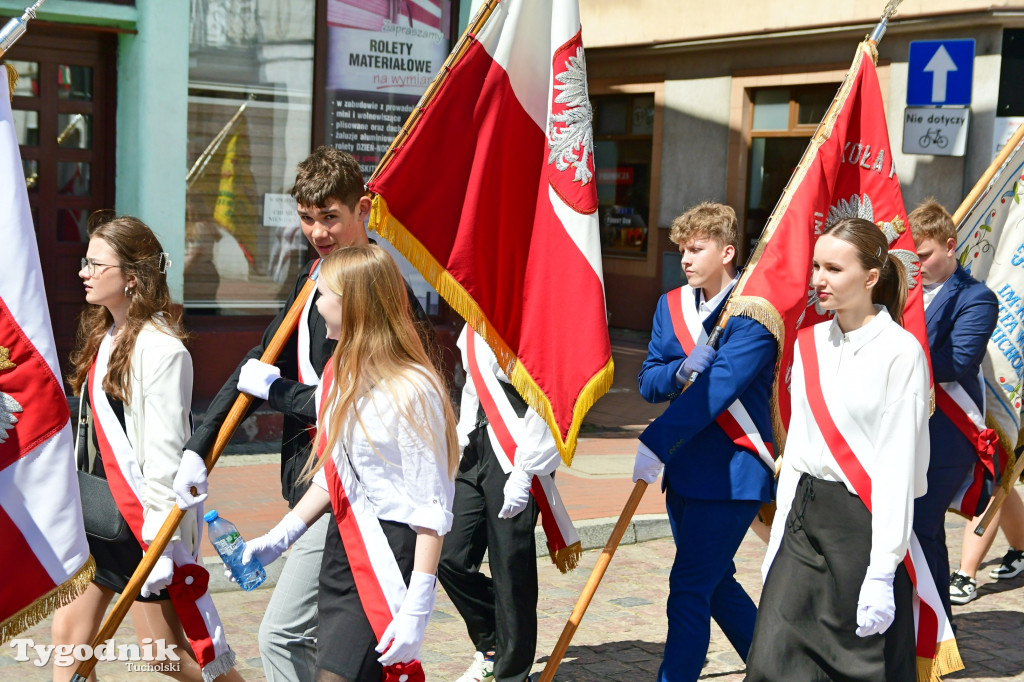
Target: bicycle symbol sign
<point x="940" y="131"/>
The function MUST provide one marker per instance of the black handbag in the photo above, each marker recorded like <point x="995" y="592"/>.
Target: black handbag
<point x="100" y="514"/>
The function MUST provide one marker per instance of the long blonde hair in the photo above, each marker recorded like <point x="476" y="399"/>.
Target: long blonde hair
<point x="378" y="347"/>
<point x="138" y="253"/>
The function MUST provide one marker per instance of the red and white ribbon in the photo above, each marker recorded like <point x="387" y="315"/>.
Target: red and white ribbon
<point x="189" y="589"/>
<point x="954" y="402"/>
<point x="735" y="421"/>
<point x="506" y="428"/>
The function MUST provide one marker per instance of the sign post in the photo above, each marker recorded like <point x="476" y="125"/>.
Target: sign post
<point x="940" y="74"/>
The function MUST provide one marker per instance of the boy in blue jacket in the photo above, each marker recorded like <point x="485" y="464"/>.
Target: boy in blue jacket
<point x="714" y="441"/>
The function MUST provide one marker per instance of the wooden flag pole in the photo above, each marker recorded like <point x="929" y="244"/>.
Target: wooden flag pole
<point x="967" y="205"/>
<point x="638" y="490"/>
<point x="227" y="429"/>
<point x="592" y="582"/>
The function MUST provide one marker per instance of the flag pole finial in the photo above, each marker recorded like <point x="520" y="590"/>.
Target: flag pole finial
<point x="16" y="27"/>
<point x="891" y="7"/>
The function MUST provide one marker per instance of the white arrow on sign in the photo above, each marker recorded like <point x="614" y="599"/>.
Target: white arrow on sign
<point x="940" y="65"/>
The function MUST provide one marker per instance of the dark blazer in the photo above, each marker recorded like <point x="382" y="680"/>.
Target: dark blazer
<point x="960" y="320"/>
<point x="701" y="461"/>
<point x="287" y="395"/>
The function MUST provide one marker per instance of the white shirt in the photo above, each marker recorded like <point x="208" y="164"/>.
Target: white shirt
<point x="536" y="451"/>
<point x="705" y="308"/>
<point x="931" y="290"/>
<point x="402" y="467"/>
<point x="878" y="373"/>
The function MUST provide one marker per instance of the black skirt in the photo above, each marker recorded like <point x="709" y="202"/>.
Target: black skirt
<point x="807" y="619"/>
<point x="345" y="640"/>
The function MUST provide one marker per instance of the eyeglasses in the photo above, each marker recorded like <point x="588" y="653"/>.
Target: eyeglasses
<point x="91" y="265"/>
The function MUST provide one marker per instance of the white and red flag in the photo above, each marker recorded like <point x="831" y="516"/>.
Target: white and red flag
<point x="44" y="558"/>
<point x="847" y="171"/>
<point x="492" y="197"/>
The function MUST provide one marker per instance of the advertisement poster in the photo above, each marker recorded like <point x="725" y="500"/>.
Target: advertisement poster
<point x="381" y="56"/>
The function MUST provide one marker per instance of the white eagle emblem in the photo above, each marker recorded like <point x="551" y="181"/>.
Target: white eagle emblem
<point x="860" y="207"/>
<point x="8" y="406"/>
<point x="570" y="132"/>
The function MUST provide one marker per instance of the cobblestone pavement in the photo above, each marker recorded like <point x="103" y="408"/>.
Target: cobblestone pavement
<point x="622" y="635"/>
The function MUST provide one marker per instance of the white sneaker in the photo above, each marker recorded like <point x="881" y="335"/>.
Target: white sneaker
<point x="480" y="670"/>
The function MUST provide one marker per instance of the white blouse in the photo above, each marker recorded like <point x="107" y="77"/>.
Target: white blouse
<point x="882" y="375"/>
<point x="403" y="468"/>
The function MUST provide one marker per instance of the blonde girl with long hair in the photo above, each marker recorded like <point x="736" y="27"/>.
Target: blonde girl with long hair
<point x="383" y="462"/>
<point x="133" y="372"/>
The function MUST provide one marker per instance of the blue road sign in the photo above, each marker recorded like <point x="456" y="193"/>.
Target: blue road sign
<point x="940" y="72"/>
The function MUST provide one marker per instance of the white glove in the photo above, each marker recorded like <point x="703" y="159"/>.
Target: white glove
<point x="269" y="547"/>
<point x="647" y="466"/>
<point x="876" y="606"/>
<point x="256" y="378"/>
<point x="517" y="493"/>
<point x="405" y="633"/>
<point x="191" y="473"/>
<point x="161" y="575"/>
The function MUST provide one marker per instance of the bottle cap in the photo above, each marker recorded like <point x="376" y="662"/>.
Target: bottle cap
<point x="210" y="515"/>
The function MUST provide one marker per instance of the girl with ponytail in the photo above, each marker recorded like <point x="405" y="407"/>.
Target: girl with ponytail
<point x="856" y="457"/>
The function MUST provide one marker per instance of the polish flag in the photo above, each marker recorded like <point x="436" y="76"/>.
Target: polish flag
<point x="492" y="196"/>
<point x="44" y="559"/>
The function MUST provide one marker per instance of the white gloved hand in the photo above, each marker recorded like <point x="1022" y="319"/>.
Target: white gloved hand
<point x="267" y="548"/>
<point x="256" y="377"/>
<point x="647" y="466"/>
<point x="405" y="633"/>
<point x="161" y="575"/>
<point x="517" y="493"/>
<point x="876" y="606"/>
<point x="191" y="473"/>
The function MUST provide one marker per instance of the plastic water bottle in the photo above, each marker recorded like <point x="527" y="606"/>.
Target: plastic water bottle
<point x="229" y="545"/>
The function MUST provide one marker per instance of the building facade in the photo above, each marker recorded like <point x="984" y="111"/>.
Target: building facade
<point x="192" y="116"/>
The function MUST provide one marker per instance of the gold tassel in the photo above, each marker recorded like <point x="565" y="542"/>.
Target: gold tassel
<point x="567" y="558"/>
<point x="12" y="79"/>
<point x="62" y="595"/>
<point x="760" y="310"/>
<point x="391" y="229"/>
<point x="947" y="660"/>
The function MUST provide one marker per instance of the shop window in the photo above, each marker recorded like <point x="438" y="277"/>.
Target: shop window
<point x="249" y="125"/>
<point x="783" y="121"/>
<point x="623" y="143"/>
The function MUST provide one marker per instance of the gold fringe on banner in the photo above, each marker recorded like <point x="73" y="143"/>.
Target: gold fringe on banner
<point x="12" y="79"/>
<point x="567" y="558"/>
<point x="947" y="660"/>
<point x="62" y="595"/>
<point x="391" y="229"/>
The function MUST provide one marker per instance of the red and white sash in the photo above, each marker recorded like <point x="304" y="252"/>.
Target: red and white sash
<point x="378" y="578"/>
<point x="564" y="544"/>
<point x="308" y="374"/>
<point x="954" y="402"/>
<point x="937" y="652"/>
<point x="735" y="421"/>
<point x="189" y="590"/>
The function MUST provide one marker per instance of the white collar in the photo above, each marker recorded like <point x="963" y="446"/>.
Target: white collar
<point x="717" y="298"/>
<point x="858" y="338"/>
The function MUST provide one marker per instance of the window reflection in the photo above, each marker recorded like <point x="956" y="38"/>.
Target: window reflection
<point x="28" y="77"/>
<point x="74" y="82"/>
<point x="75" y="131"/>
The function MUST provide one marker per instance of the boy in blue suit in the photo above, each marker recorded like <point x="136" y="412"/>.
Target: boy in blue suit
<point x="960" y="313"/>
<point x="714" y="440"/>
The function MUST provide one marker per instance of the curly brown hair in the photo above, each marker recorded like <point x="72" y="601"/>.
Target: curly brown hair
<point x="139" y="254"/>
<point x="328" y="174"/>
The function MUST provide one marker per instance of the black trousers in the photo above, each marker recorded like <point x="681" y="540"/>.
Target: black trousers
<point x="807" y="619"/>
<point x="500" y="611"/>
<point x="345" y="641"/>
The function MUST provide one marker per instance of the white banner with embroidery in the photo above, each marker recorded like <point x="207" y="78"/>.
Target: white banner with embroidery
<point x="990" y="246"/>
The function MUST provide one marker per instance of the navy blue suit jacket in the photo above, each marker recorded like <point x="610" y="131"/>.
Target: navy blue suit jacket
<point x="960" y="321"/>
<point x="701" y="461"/>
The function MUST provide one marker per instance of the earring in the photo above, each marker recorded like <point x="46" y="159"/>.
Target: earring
<point x="128" y="292"/>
